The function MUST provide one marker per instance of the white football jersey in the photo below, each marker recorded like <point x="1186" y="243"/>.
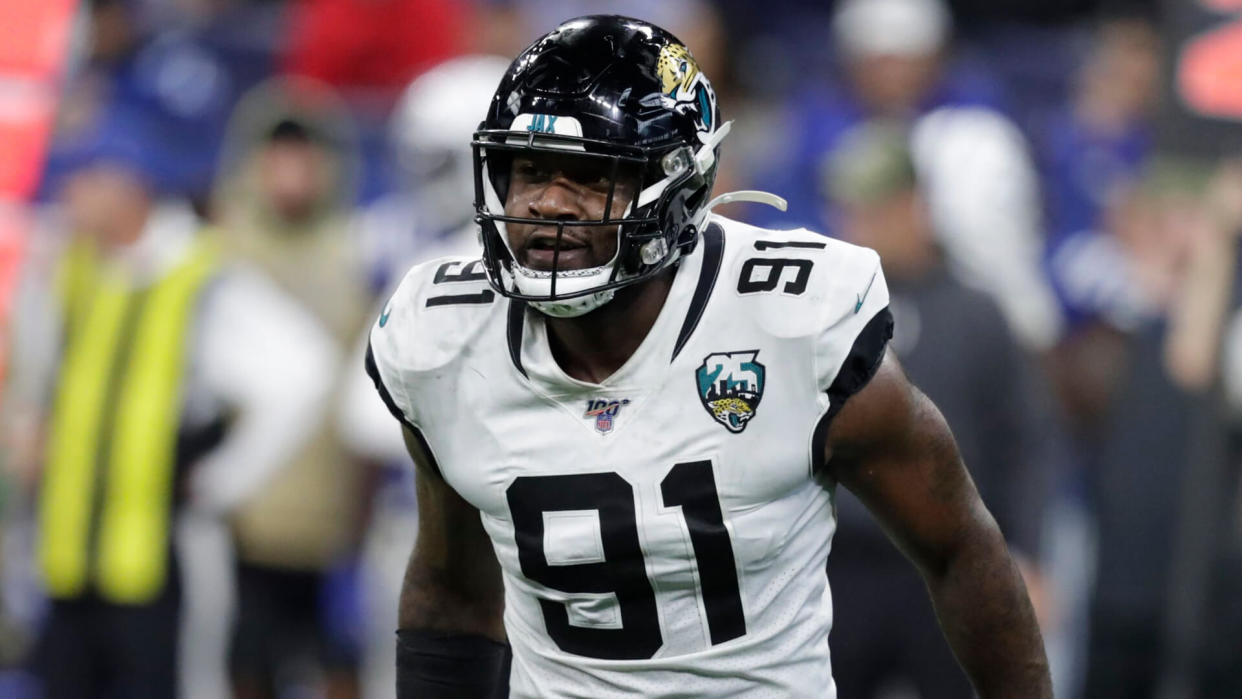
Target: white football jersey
<point x="665" y="532"/>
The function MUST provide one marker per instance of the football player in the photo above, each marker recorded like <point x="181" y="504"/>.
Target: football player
<point x="631" y="415"/>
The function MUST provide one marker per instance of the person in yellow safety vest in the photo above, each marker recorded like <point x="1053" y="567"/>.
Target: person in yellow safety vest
<point x="168" y="388"/>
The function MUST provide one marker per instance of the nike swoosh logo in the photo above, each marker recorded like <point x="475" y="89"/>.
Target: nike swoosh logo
<point x="861" y="297"/>
<point x="384" y="316"/>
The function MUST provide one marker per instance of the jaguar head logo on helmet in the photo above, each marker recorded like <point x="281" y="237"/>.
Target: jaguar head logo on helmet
<point x="676" y="67"/>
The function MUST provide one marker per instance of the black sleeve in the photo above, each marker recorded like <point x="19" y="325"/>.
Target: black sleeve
<point x="437" y="665"/>
<point x="859" y="367"/>
<point x="863" y="360"/>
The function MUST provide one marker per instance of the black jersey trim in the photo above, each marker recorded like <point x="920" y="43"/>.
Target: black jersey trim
<point x="373" y="372"/>
<point x="517" y="321"/>
<point x="713" y="256"/>
<point x="859" y="367"/>
<point x="417" y="434"/>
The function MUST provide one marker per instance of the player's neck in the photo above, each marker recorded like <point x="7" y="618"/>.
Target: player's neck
<point x="594" y="346"/>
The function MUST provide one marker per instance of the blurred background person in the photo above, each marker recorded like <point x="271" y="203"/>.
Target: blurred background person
<point x="170" y="387"/>
<point x="182" y="65"/>
<point x="1091" y="151"/>
<point x="1103" y="135"/>
<point x="1159" y="429"/>
<point x="955" y="344"/>
<point x="430" y="212"/>
<point x="283" y="204"/>
<point x="1091" y="148"/>
<point x="980" y="185"/>
<point x="1220" y="674"/>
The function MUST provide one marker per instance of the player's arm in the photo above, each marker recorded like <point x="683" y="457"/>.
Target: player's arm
<point x="891" y="447"/>
<point x="450" y="633"/>
<point x="450" y="638"/>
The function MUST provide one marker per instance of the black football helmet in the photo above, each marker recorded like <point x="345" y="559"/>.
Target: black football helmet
<point x="629" y="96"/>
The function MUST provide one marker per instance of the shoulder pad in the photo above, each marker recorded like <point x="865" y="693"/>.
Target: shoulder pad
<point x="427" y="323"/>
<point x="434" y="312"/>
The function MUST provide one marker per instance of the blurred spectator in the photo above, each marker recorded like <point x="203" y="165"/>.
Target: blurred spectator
<point x="1102" y="137"/>
<point x="430" y="216"/>
<point x="429" y="137"/>
<point x="976" y="172"/>
<point x="1096" y="157"/>
<point x="893" y="62"/>
<point x="181" y="81"/>
<point x="167" y="387"/>
<point x="1148" y="418"/>
<point x="1204" y="614"/>
<point x="956" y="347"/>
<point x="1091" y="151"/>
<point x="1220" y="671"/>
<point x="1228" y="204"/>
<point x="283" y="204"/>
<point x="285" y="195"/>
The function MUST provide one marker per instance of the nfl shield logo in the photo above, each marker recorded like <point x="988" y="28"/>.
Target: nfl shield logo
<point x="605" y="412"/>
<point x="730" y="386"/>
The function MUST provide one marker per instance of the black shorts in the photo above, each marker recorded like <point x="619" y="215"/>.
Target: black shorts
<point x="92" y="648"/>
<point x="280" y="622"/>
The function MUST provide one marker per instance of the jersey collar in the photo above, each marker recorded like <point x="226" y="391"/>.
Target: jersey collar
<point x="526" y="332"/>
